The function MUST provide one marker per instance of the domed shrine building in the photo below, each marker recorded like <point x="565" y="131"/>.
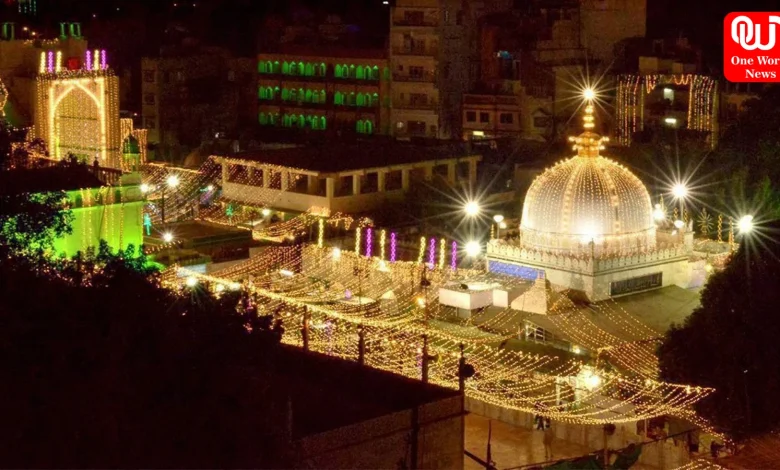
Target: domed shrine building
<point x="587" y="225"/>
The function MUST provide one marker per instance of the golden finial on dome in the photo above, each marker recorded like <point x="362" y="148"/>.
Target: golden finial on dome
<point x="588" y="143"/>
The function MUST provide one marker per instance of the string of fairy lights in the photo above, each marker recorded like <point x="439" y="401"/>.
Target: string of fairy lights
<point x="343" y="294"/>
<point x="345" y="291"/>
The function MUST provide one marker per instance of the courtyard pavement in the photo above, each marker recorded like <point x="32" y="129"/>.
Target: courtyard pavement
<point x="513" y="446"/>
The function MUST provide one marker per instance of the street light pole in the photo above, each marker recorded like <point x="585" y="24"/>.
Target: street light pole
<point x="162" y="207"/>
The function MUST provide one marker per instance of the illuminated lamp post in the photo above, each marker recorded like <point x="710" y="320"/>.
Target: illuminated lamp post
<point x="745" y="224"/>
<point x="680" y="192"/>
<point x="499" y="220"/>
<point x="472" y="208"/>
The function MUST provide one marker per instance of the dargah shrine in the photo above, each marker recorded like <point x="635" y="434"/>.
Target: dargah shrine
<point x="588" y="225"/>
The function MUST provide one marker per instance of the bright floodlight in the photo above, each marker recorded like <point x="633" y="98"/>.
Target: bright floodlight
<point x="588" y="94"/>
<point x="671" y="121"/>
<point x="679" y="224"/>
<point x="191" y="281"/>
<point x="658" y="213"/>
<point x="498" y="218"/>
<point x="592" y="381"/>
<point x="472" y="208"/>
<point x="502" y="225"/>
<point x="172" y="181"/>
<point x="679" y="191"/>
<point x="210" y="187"/>
<point x="745" y="224"/>
<point x="336" y="253"/>
<point x="266" y="212"/>
<point x="167" y="237"/>
<point x="473" y="249"/>
<point x="145" y="188"/>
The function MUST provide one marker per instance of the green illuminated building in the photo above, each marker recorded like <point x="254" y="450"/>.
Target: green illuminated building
<point x="109" y="213"/>
<point x="106" y="204"/>
<point x="334" y="90"/>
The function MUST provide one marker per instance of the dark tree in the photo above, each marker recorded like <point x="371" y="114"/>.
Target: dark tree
<point x="102" y="367"/>
<point x="731" y="342"/>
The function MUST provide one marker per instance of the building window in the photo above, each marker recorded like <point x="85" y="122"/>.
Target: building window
<point x="484" y="117"/>
<point x="149" y="76"/>
<point x="418" y="99"/>
<point x="364" y="127"/>
<point x="471" y="116"/>
<point x="506" y="118"/>
<point x="150" y="122"/>
<point x="416" y="127"/>
<point x="416" y="72"/>
<point x="231" y="76"/>
<point x="180" y="75"/>
<point x="149" y="98"/>
<point x="414" y="17"/>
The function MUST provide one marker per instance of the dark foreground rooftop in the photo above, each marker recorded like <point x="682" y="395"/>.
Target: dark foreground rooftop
<point x="58" y="178"/>
<point x="334" y="156"/>
<point x="327" y="393"/>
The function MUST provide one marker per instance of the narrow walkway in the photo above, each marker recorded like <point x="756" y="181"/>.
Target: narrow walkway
<point x="512" y="446"/>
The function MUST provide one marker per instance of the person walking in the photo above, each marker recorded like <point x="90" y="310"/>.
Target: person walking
<point x="547" y="439"/>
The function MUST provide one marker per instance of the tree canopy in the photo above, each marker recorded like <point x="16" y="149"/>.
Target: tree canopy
<point x="103" y="367"/>
<point x="731" y="341"/>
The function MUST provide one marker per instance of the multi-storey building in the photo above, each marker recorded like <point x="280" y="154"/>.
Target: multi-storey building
<point x="332" y="90"/>
<point x="535" y="57"/>
<point x="414" y="59"/>
<point x="192" y="96"/>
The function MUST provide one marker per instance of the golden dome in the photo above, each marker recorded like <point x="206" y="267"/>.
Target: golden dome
<point x="588" y="198"/>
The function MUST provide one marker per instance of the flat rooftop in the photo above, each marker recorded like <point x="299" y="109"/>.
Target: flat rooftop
<point x="200" y="232"/>
<point x="39" y="180"/>
<point x="328" y="393"/>
<point x="334" y="156"/>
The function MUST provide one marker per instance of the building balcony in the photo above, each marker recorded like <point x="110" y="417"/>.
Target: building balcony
<point x="428" y="77"/>
<point x="417" y="23"/>
<point x="429" y="106"/>
<point x="286" y="77"/>
<point x="416" y="51"/>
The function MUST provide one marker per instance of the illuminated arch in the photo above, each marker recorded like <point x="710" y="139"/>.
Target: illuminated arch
<point x="60" y="139"/>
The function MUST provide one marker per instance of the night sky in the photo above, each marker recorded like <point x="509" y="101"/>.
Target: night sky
<point x="234" y="23"/>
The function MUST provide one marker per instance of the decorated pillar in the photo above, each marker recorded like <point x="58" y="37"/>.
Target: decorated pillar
<point x="472" y="171"/>
<point x="428" y="172"/>
<point x="451" y="167"/>
<point x="225" y="171"/>
<point x="330" y="187"/>
<point x="405" y="179"/>
<point x="312" y="184"/>
<point x="381" y="181"/>
<point x="356" y="184"/>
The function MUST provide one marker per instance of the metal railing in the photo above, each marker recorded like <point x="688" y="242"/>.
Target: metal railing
<point x="416" y="50"/>
<point x="424" y="77"/>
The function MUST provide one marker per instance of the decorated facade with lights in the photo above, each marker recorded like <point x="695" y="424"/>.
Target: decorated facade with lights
<point x="588" y="224"/>
<point x="77" y="108"/>
<point x="687" y="100"/>
<point x="106" y="213"/>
